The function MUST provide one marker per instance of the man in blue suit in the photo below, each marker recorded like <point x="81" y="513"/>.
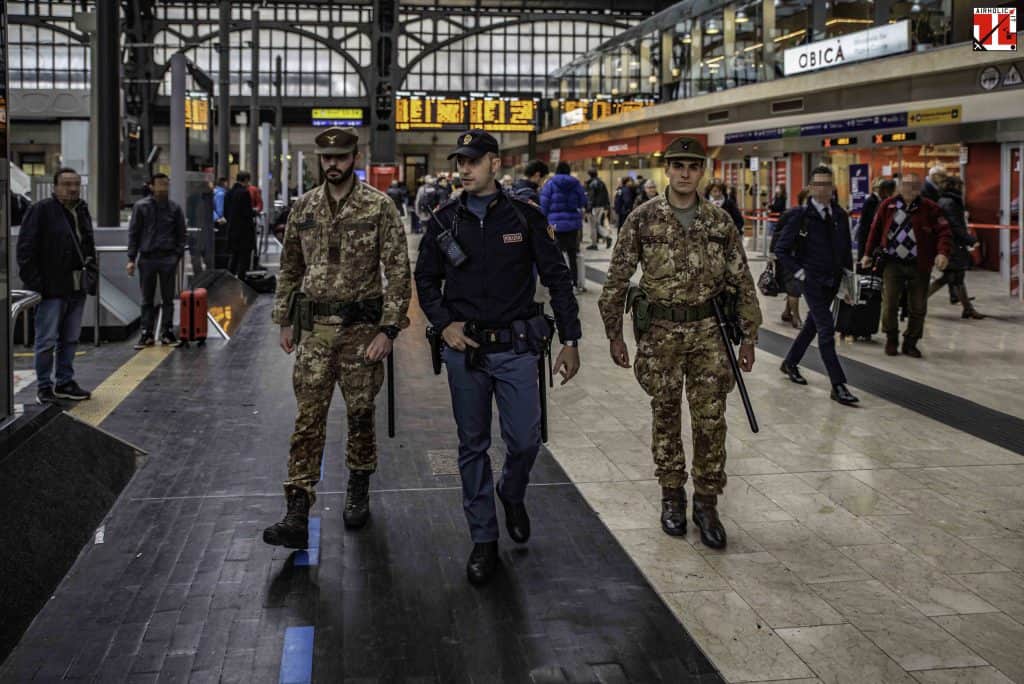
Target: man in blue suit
<point x="815" y="245"/>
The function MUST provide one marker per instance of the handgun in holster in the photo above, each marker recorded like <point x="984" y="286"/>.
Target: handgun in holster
<point x="639" y="308"/>
<point x="299" y="314"/>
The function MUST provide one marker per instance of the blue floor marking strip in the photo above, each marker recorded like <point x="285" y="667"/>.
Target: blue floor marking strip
<point x="990" y="425"/>
<point x="297" y="656"/>
<point x="311" y="556"/>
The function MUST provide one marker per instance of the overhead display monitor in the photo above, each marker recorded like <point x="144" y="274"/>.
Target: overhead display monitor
<point x="340" y="116"/>
<point x="494" y="112"/>
<point x="578" y="111"/>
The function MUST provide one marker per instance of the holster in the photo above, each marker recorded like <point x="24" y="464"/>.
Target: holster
<point x="296" y="301"/>
<point x="728" y="302"/>
<point x="435" y="340"/>
<point x="639" y="307"/>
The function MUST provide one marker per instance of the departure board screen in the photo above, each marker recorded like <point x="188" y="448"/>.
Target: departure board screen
<point x="495" y="112"/>
<point x="592" y="110"/>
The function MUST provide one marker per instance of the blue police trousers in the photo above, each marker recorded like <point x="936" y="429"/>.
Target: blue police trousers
<point x="511" y="379"/>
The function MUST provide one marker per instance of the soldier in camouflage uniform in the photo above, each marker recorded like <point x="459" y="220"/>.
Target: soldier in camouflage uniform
<point x="690" y="252"/>
<point x="337" y="238"/>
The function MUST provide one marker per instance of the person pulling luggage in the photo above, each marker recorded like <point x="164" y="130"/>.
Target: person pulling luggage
<point x="815" y="246"/>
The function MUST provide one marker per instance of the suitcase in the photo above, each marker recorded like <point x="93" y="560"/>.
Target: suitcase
<point x="859" y="320"/>
<point x="193" y="316"/>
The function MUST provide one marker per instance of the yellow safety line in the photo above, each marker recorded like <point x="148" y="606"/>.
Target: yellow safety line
<point x="31" y="355"/>
<point x="119" y="385"/>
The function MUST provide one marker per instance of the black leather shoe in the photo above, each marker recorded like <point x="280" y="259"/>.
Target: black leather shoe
<point x="793" y="373"/>
<point x="483" y="561"/>
<point x="705" y="517"/>
<point x="293" y="531"/>
<point x="517" y="522"/>
<point x="843" y="395"/>
<point x="673" y="511"/>
<point x="357" y="500"/>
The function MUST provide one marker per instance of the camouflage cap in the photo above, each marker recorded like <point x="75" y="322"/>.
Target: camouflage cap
<point x="685" y="148"/>
<point x="336" y="140"/>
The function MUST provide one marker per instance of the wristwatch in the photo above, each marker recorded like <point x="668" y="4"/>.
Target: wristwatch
<point x="391" y="331"/>
<point x="571" y="343"/>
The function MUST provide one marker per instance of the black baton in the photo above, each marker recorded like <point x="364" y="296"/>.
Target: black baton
<point x="735" y="367"/>
<point x="390" y="394"/>
<point x="543" y="400"/>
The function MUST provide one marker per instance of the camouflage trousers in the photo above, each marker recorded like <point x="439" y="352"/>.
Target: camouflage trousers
<point x="332" y="354"/>
<point x="669" y="358"/>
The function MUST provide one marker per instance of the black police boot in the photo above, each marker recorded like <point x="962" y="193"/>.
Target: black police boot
<point x="293" y="531"/>
<point x="673" y="511"/>
<point x="483" y="561"/>
<point x="517" y="522"/>
<point x="357" y="501"/>
<point x="705" y="517"/>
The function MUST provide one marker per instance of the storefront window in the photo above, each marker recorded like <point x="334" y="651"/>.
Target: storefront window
<point x="748" y="66"/>
<point x="929" y="21"/>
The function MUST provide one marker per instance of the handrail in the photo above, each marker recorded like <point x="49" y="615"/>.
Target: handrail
<point x="25" y="300"/>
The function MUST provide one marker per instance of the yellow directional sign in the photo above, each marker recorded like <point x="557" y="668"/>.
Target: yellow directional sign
<point x="935" y="116"/>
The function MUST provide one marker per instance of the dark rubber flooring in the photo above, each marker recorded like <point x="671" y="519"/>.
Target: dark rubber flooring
<point x="183" y="589"/>
<point x="988" y="424"/>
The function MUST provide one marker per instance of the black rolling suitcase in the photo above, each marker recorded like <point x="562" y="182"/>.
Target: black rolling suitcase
<point x="861" y="319"/>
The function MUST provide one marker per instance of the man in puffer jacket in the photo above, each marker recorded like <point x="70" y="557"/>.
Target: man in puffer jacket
<point x="563" y="199"/>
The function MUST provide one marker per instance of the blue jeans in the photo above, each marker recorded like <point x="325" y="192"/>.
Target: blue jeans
<point x="58" y="324"/>
<point x="511" y="379"/>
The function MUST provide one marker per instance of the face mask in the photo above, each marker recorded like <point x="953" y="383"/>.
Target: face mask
<point x="718" y="202"/>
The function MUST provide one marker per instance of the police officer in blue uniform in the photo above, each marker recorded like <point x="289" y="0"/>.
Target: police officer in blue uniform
<point x="476" y="283"/>
<point x="815" y="246"/>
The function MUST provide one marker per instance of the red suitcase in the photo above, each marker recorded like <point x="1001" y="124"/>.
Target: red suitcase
<point x="193" y="316"/>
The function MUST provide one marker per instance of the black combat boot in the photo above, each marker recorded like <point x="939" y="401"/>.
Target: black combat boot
<point x="673" y="511"/>
<point x="705" y="517"/>
<point x="293" y="531"/>
<point x="357" y="501"/>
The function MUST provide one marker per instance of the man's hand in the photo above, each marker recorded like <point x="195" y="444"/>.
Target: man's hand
<point x="567" y="363"/>
<point x="287" y="343"/>
<point x="130" y="267"/>
<point x="941" y="261"/>
<point x="746" y="357"/>
<point x="619" y="352"/>
<point x="454" y="336"/>
<point x="865" y="261"/>
<point x="379" y="348"/>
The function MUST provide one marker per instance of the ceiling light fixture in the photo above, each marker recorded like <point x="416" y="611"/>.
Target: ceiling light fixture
<point x="741" y="17"/>
<point x="712" y="28"/>
<point x="687" y="38"/>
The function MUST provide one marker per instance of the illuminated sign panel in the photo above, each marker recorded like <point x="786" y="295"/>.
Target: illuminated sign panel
<point x="339" y="116"/>
<point x="495" y="112"/>
<point x="592" y="110"/>
<point x="197" y="113"/>
<point x="839" y="142"/>
<point x="902" y="136"/>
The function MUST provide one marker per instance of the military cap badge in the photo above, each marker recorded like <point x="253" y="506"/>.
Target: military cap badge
<point x="466" y="139"/>
<point x="331" y="138"/>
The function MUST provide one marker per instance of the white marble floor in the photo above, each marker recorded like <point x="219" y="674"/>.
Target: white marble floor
<point x="869" y="544"/>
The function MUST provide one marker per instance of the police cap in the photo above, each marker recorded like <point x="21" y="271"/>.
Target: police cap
<point x="685" y="148"/>
<point x="474" y="144"/>
<point x="336" y="140"/>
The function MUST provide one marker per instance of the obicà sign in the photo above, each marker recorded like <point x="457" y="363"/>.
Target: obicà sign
<point x="878" y="41"/>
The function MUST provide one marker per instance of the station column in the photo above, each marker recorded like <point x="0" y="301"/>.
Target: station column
<point x="383" y="77"/>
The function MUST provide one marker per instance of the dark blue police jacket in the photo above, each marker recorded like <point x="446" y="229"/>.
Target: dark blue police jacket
<point x="824" y="252"/>
<point x="496" y="285"/>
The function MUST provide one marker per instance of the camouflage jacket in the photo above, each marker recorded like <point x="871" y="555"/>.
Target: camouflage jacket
<point x="680" y="267"/>
<point x="339" y="258"/>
